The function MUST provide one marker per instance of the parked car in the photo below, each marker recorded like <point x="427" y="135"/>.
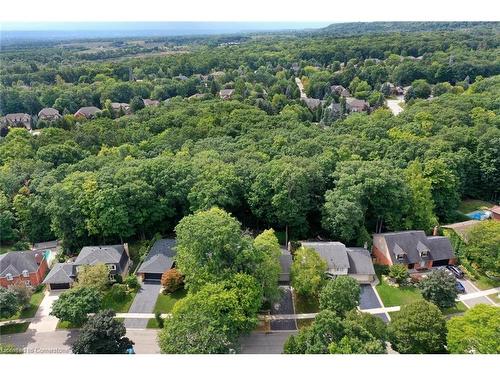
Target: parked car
<point x="455" y="271"/>
<point x="460" y="288"/>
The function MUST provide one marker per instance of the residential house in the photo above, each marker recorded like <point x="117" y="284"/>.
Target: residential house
<point x="27" y="267"/>
<point x="342" y="260"/>
<point x="413" y="249"/>
<point x="115" y="257"/>
<point x="340" y="90"/>
<point x="49" y="114"/>
<point x="151" y="103"/>
<point x="312" y="103"/>
<point x="160" y="258"/>
<point x="217" y="74"/>
<point x="49" y="248"/>
<point x="226" y="94"/>
<point x="460" y="229"/>
<point x="296" y="68"/>
<point x="495" y="212"/>
<point x="121" y="107"/>
<point x="87" y="112"/>
<point x="181" y="77"/>
<point x="197" y="96"/>
<point x="17" y="120"/>
<point x="357" y="105"/>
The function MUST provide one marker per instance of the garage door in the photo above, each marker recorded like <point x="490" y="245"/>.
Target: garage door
<point x="59" y="286"/>
<point x="438" y="263"/>
<point x="152" y="277"/>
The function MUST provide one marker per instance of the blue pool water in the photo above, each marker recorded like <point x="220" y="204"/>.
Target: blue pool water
<point x="478" y="215"/>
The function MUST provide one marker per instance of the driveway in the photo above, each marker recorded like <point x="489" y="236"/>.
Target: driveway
<point x="393" y="105"/>
<point x="144" y="302"/>
<point x="368" y="299"/>
<point x="42" y="321"/>
<point x="264" y="343"/>
<point x="471" y="288"/>
<point x="284" y="306"/>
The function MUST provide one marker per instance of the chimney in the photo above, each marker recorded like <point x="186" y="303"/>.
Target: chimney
<point x="435" y="231"/>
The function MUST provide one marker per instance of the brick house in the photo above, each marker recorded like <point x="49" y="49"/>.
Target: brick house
<point x="413" y="249"/>
<point x="28" y="267"/>
<point x="495" y="212"/>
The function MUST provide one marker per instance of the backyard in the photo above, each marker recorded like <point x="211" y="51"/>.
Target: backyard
<point x="470" y="205"/>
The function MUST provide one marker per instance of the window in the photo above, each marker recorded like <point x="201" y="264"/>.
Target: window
<point x="27" y="283"/>
<point x="26" y="273"/>
<point x="9" y="277"/>
<point x="112" y="267"/>
<point x="400" y="256"/>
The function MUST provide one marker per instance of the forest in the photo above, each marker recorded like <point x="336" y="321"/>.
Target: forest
<point x="263" y="156"/>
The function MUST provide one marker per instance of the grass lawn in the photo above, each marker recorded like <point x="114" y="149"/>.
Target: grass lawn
<point x="392" y="296"/>
<point x="470" y="205"/>
<point x="494" y="298"/>
<point x="67" y="325"/>
<point x="485" y="283"/>
<point x="304" y="305"/>
<point x="166" y="302"/>
<point x="9" y="329"/>
<point x="459" y="308"/>
<point x="118" y="306"/>
<point x="29" y="312"/>
<point x="302" y="323"/>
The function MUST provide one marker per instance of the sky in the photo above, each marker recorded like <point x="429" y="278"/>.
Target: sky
<point x="328" y="11"/>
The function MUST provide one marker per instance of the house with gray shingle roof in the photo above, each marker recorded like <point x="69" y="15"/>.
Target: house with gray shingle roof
<point x="226" y="94"/>
<point x="61" y="276"/>
<point x="286" y="261"/>
<point x="49" y="114"/>
<point x="160" y="258"/>
<point x="114" y="256"/>
<point x="412" y="248"/>
<point x="342" y="260"/>
<point x="87" y="112"/>
<point x="17" y="120"/>
<point x="27" y="267"/>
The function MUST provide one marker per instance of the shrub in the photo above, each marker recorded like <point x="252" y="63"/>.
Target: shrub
<point x="171" y="280"/>
<point x="439" y="288"/>
<point x="118" y="292"/>
<point x="118" y="278"/>
<point x="399" y="273"/>
<point x="159" y="319"/>
<point x="132" y="282"/>
<point x="9" y="303"/>
<point x="23" y="294"/>
<point x="21" y="246"/>
<point x="340" y="295"/>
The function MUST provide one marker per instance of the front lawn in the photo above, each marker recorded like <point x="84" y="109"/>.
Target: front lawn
<point x="10" y="329"/>
<point x="471" y="205"/>
<point x="459" y="308"/>
<point x="30" y="311"/>
<point x="485" y="283"/>
<point x="118" y="306"/>
<point x="62" y="324"/>
<point x="393" y="296"/>
<point x="165" y="302"/>
<point x="305" y="305"/>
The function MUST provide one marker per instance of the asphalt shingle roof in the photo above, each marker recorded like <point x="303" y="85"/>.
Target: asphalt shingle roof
<point x="160" y="258"/>
<point x="100" y="254"/>
<point x="360" y="262"/>
<point x="61" y="273"/>
<point x="334" y="253"/>
<point x="15" y="262"/>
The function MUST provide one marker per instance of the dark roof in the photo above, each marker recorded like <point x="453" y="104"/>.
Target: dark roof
<point x="100" y="254"/>
<point x="15" y="262"/>
<point x="334" y="253"/>
<point x="160" y="258"/>
<point x="411" y="243"/>
<point x="286" y="262"/>
<point x="360" y="261"/>
<point x="45" y="245"/>
<point x="61" y="273"/>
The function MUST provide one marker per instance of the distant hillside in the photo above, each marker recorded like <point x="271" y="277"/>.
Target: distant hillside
<point x="354" y="28"/>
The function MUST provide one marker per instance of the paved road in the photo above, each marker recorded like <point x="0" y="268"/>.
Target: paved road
<point x="285" y="306"/>
<point x="144" y="302"/>
<point x="264" y="343"/>
<point x="369" y="300"/>
<point x="471" y="288"/>
<point x="60" y="341"/>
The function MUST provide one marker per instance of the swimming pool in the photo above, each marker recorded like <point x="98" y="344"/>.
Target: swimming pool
<point x="479" y="215"/>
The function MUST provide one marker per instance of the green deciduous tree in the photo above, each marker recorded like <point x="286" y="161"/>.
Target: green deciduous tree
<point x="418" y="328"/>
<point x="94" y="276"/>
<point x="102" y="334"/>
<point x="268" y="267"/>
<point x="476" y="332"/>
<point x="483" y="247"/>
<point x="308" y="272"/>
<point x="340" y="295"/>
<point x="9" y="304"/>
<point x="439" y="288"/>
<point x="74" y="305"/>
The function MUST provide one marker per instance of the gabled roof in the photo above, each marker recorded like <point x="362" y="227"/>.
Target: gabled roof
<point x="360" y="261"/>
<point x="48" y="112"/>
<point x="412" y="242"/>
<point x="226" y="92"/>
<point x="334" y="253"/>
<point x="495" y="209"/>
<point x="461" y="229"/>
<point x="160" y="258"/>
<point x="61" y="273"/>
<point x="90" y="255"/>
<point x="45" y="245"/>
<point x="15" y="262"/>
<point x="87" y="111"/>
